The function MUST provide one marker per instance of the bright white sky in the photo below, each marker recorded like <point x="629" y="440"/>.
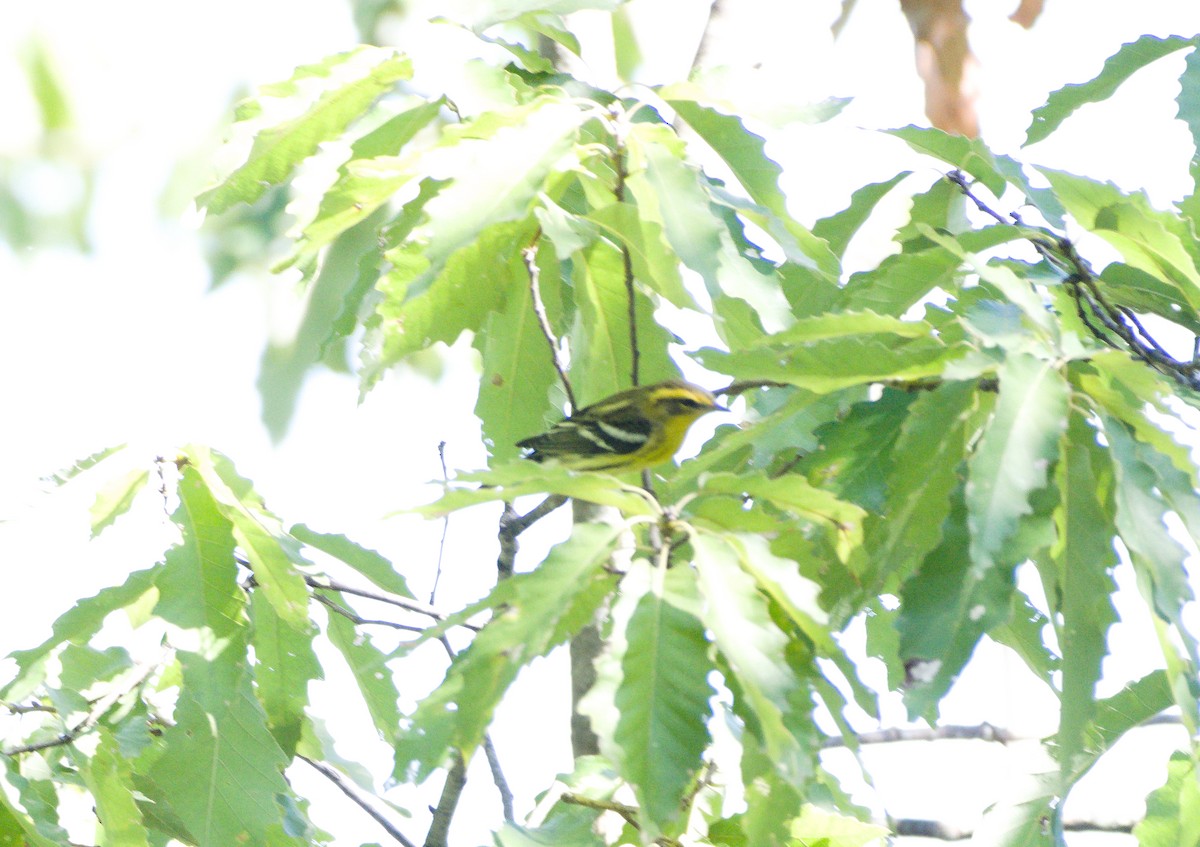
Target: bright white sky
<point x="127" y="344"/>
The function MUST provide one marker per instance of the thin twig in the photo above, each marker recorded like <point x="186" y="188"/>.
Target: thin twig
<point x="1091" y="305"/>
<point x="506" y="795"/>
<point x="417" y="606"/>
<point x="437" y="574"/>
<point x="359" y="620"/>
<point x="26" y="708"/>
<point x="629" y="813"/>
<point x="981" y="732"/>
<point x="98" y="708"/>
<point x="345" y="787"/>
<point x="618" y="163"/>
<point x="529" y="255"/>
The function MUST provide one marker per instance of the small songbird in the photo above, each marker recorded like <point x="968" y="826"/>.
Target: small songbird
<point x="628" y="431"/>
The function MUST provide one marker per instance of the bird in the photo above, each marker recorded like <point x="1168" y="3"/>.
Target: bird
<point x="628" y="431"/>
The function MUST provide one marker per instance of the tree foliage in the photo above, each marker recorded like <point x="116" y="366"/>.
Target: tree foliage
<point x="983" y="400"/>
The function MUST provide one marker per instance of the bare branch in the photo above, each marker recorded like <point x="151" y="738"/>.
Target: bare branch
<point x="981" y="732"/>
<point x="381" y="596"/>
<point x="345" y="787"/>
<point x="1112" y="324"/>
<point x="456" y="780"/>
<point x="529" y="255"/>
<point x="359" y="620"/>
<point x="629" y="813"/>
<point x="437" y="574"/>
<point x="618" y="163"/>
<point x="506" y="796"/>
<point x="513" y="524"/>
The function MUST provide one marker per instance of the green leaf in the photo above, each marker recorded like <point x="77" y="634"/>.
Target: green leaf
<point x="197" y="584"/>
<point x="1188" y="100"/>
<point x="507" y="482"/>
<point x="518" y="372"/>
<point x="838" y="229"/>
<point x="116" y="498"/>
<point x="967" y="154"/>
<point x="22" y="828"/>
<point x="663" y="698"/>
<point x="496" y="165"/>
<point x="793" y="493"/>
<point x="472" y="284"/>
<point x="602" y="358"/>
<point x="368" y="664"/>
<point x="278" y="149"/>
<point x="220" y="770"/>
<point x="944" y="610"/>
<point x="544" y="608"/>
<point x="829" y="365"/>
<point x="1014" y="454"/>
<point x="653" y="262"/>
<point x="752" y="645"/>
<point x="744" y="152"/>
<point x="929" y="452"/>
<point x="1083" y="556"/>
<point x="1171" y="819"/>
<point x="65" y="475"/>
<point x="77" y="625"/>
<point x="273" y="555"/>
<point x="369" y="563"/>
<point x="109" y="777"/>
<point x="816" y="826"/>
<point x="1159" y="243"/>
<point x="1135" y="55"/>
<point x="284" y="665"/>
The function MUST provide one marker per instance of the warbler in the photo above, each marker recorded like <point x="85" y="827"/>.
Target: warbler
<point x="629" y="431"/>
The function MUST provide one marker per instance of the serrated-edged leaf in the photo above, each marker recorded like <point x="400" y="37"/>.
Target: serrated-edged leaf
<point x="284" y="665"/>
<point x="663" y="698"/>
<point x="944" y="609"/>
<point x="1022" y="633"/>
<point x="832" y="364"/>
<point x="517" y="372"/>
<point x="82" y="665"/>
<point x="471" y="284"/>
<point x="753" y="646"/>
<point x="669" y="191"/>
<point x="1170" y="809"/>
<point x="509" y="481"/>
<point x="77" y="625"/>
<point x="368" y="664"/>
<point x="602" y="363"/>
<point x="1061" y="104"/>
<point x="1145" y="293"/>
<point x="279" y="149"/>
<point x="496" y="165"/>
<point x="838" y="229"/>
<point x="65" y="475"/>
<point x="1188" y="101"/>
<point x="1159" y="243"/>
<point x="568" y="826"/>
<point x="197" y="584"/>
<point x="543" y="609"/>
<point x="17" y="826"/>
<point x="374" y="566"/>
<point x="109" y="777"/>
<point x="842" y="324"/>
<point x="816" y="825"/>
<point x="220" y="770"/>
<point x="273" y="555"/>
<point x="745" y="154"/>
<point x="968" y="154"/>
<point x="1083" y="555"/>
<point x="116" y="497"/>
<point x="929" y="454"/>
<point x="1014" y="453"/>
<point x="367" y="181"/>
<point x="792" y="493"/>
<point x="652" y="260"/>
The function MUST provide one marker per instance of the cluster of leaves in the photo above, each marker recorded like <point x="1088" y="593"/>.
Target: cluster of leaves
<point x="931" y="424"/>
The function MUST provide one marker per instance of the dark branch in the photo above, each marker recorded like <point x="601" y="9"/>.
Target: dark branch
<point x="1112" y="324"/>
<point x="506" y="796"/>
<point x="345" y="787"/>
<point x="437" y="574"/>
<point x="618" y="163"/>
<point x="513" y="524"/>
<point x="406" y="603"/>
